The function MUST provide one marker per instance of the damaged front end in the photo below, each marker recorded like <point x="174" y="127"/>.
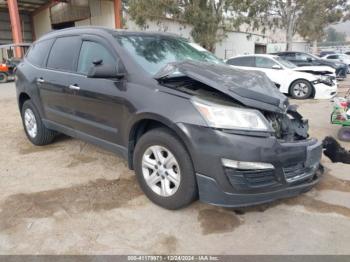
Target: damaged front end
<point x="257" y="149"/>
<point x="226" y="86"/>
<point x="289" y="126"/>
<point x="325" y="75"/>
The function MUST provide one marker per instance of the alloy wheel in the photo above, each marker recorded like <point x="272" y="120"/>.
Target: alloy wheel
<point x="161" y="170"/>
<point x="30" y="123"/>
<point x="300" y="89"/>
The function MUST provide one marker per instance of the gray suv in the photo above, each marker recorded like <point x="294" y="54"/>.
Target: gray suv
<point x="188" y="124"/>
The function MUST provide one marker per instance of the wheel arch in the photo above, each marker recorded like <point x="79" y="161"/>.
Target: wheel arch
<point x="23" y="96"/>
<point x="146" y="123"/>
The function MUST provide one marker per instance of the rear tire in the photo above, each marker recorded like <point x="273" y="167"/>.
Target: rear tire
<point x="301" y="89"/>
<point x="164" y="169"/>
<point x="34" y="128"/>
<point x="3" y="77"/>
<point x="344" y="134"/>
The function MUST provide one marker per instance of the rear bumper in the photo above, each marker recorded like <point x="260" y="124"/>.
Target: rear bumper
<point x="210" y="192"/>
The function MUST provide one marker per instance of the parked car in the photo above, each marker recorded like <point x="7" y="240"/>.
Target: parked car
<point x="343" y="58"/>
<point x="305" y="59"/>
<point x="323" y="53"/>
<point x="187" y="124"/>
<point x="299" y="85"/>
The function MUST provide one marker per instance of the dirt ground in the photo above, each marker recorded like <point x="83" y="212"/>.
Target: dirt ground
<point x="74" y="198"/>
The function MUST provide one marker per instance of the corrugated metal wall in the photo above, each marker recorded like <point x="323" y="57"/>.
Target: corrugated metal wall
<point x="5" y="27"/>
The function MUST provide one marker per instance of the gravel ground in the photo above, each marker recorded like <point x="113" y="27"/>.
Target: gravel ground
<point x="74" y="198"/>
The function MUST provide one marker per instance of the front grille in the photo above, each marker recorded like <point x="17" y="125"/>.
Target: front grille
<point x="297" y="172"/>
<point x="245" y="179"/>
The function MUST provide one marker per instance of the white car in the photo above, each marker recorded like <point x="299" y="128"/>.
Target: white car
<point x="300" y="82"/>
<point x="344" y="58"/>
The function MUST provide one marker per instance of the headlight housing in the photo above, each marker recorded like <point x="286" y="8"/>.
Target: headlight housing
<point x="229" y="117"/>
<point x="323" y="79"/>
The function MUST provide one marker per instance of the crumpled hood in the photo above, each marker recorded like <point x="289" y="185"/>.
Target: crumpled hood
<point x="251" y="88"/>
<point x="317" y="70"/>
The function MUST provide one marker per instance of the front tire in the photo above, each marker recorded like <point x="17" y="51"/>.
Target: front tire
<point x="164" y="169"/>
<point x="34" y="128"/>
<point x="301" y="89"/>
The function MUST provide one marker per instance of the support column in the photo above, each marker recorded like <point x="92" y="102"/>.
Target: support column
<point x="16" y="26"/>
<point x="118" y="14"/>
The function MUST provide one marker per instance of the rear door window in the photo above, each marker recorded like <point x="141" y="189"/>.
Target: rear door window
<point x="247" y="61"/>
<point x="91" y="52"/>
<point x="64" y="53"/>
<point x="38" y="52"/>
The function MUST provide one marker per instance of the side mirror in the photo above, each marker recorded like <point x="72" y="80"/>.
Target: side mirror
<point x="100" y="70"/>
<point x="278" y="67"/>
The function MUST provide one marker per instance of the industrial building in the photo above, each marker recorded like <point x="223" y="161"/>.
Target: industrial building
<point x="23" y="21"/>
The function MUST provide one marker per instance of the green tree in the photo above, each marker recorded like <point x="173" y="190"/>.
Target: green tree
<point x="333" y="35"/>
<point x="210" y="19"/>
<point x="306" y="17"/>
<point x="205" y="16"/>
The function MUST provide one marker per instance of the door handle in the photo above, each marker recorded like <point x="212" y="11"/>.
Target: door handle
<point x="40" y="80"/>
<point x="74" y="87"/>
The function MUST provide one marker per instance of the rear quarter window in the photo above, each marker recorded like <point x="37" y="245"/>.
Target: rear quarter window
<point x="64" y="53"/>
<point x="38" y="52"/>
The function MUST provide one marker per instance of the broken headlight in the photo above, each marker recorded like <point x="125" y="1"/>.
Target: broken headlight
<point x="324" y="79"/>
<point x="228" y="117"/>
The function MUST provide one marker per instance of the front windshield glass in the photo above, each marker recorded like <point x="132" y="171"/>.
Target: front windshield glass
<point x="154" y="52"/>
<point x="285" y="63"/>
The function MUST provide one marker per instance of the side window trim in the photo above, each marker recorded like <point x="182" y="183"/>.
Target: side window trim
<point x="48" y="54"/>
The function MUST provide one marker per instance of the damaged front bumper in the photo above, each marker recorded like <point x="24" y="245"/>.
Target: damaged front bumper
<point x="210" y="192"/>
<point x="294" y="166"/>
<point x="324" y="91"/>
